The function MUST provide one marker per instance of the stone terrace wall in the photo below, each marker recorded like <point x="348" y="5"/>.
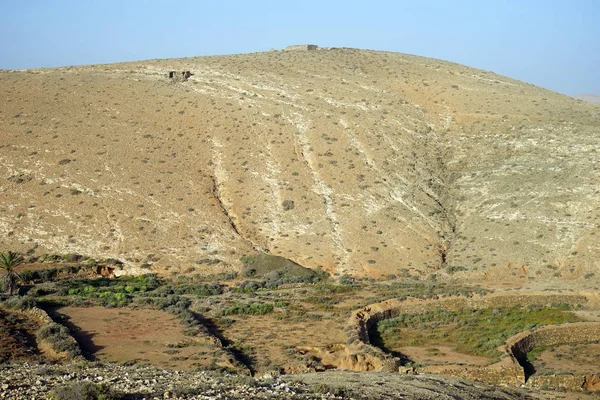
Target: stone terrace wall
<point x="39" y="315"/>
<point x="507" y="370"/>
<point x="552" y="335"/>
<point x="357" y="327"/>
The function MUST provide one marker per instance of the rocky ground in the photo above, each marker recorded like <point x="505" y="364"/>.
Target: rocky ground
<point x="31" y="381"/>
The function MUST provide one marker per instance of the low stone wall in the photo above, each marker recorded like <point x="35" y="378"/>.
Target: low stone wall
<point x="579" y="332"/>
<point x="39" y="315"/>
<point x="573" y="383"/>
<point x="505" y="372"/>
<point x="552" y="335"/>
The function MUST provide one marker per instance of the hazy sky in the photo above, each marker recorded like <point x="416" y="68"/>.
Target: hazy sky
<point x="550" y="43"/>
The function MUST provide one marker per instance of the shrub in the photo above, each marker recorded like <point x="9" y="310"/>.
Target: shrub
<point x="19" y="302"/>
<point x="249" y="309"/>
<point x="250" y="286"/>
<point x="455" y="268"/>
<point x="200" y="290"/>
<point x="288" y="205"/>
<point x="48" y="274"/>
<point x="178" y="306"/>
<point x="43" y="289"/>
<point x="325" y="389"/>
<point x="60" y="339"/>
<point x="84" y="391"/>
<point x="173" y="304"/>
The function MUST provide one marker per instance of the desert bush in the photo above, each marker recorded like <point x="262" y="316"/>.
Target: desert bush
<point x="276" y="278"/>
<point x="326" y="301"/>
<point x="178" y="306"/>
<point x="142" y="283"/>
<point x="49" y="274"/>
<point x="221" y="276"/>
<point x="200" y="290"/>
<point x="84" y="391"/>
<point x="172" y="303"/>
<point x="60" y="339"/>
<point x="248" y="309"/>
<point x="335" y="289"/>
<point x="325" y="389"/>
<point x="111" y="299"/>
<point x="43" y="275"/>
<point x="346" y="280"/>
<point x="288" y="205"/>
<point x="19" y="302"/>
<point x="455" y="268"/>
<point x="250" y="286"/>
<point x="43" y="289"/>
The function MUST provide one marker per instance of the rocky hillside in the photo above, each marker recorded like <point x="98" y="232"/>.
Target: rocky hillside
<point x="362" y="162"/>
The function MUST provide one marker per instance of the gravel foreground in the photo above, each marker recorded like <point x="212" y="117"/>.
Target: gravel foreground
<point x="33" y="381"/>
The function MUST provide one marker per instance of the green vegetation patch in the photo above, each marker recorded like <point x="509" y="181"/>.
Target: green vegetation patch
<point x="194" y="289"/>
<point x="108" y="292"/>
<point x="472" y="331"/>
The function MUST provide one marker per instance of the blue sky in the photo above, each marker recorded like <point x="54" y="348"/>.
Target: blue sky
<point x="552" y="43"/>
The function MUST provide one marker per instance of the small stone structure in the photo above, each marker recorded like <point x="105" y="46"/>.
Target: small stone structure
<point x="106" y="271"/>
<point x="179" y="76"/>
<point x="302" y="47"/>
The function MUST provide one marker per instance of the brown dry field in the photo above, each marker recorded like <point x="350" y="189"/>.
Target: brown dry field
<point x="138" y="336"/>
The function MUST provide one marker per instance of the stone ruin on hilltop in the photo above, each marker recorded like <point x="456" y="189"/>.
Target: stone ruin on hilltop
<point x="302" y="47"/>
<point x="179" y="77"/>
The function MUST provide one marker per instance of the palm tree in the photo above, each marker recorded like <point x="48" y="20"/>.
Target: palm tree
<point x="8" y="262"/>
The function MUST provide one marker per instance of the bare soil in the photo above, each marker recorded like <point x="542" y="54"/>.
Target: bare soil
<point x="142" y="336"/>
<point x="273" y="343"/>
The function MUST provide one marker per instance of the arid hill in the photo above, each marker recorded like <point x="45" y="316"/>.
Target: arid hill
<point x="362" y="162"/>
